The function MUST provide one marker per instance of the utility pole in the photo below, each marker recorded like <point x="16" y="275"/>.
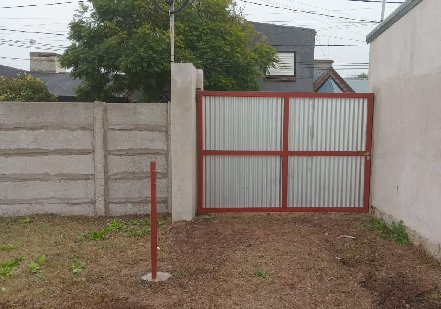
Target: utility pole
<point x="382" y="10"/>
<point x="172" y="31"/>
<point x="171" y="12"/>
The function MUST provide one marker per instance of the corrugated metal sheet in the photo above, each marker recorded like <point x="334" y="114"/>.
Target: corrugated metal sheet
<point x="325" y="181"/>
<point x="241" y="181"/>
<point x="327" y="124"/>
<point x="240" y="123"/>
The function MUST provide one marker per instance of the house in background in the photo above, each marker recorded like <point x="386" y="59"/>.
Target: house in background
<point x="295" y="48"/>
<point x="45" y="66"/>
<point x="405" y="75"/>
<point x="327" y="79"/>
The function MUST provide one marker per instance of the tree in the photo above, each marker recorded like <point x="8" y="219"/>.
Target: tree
<point x="24" y="88"/>
<point x="362" y="75"/>
<point x="124" y="45"/>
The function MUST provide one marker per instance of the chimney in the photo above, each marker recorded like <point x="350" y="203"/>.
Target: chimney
<point x="322" y="65"/>
<point x="45" y="63"/>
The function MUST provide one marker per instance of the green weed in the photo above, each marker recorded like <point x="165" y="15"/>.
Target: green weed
<point x="261" y="273"/>
<point x="96" y="235"/>
<point x="395" y="231"/>
<point x="139" y="232"/>
<point x="7" y="267"/>
<point x="436" y="296"/>
<point x="8" y="222"/>
<point x="161" y="222"/>
<point x="3" y="289"/>
<point x="34" y="267"/>
<point x="26" y="220"/>
<point x="10" y="246"/>
<point x="77" y="267"/>
<point x="115" y="225"/>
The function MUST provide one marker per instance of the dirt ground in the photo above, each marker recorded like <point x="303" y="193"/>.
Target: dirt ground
<point x="219" y="261"/>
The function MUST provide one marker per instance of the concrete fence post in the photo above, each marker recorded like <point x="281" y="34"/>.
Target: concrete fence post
<point x="183" y="140"/>
<point x="100" y="157"/>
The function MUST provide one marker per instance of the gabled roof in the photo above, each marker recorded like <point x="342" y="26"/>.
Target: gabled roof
<point x="330" y="78"/>
<point x="9" y="72"/>
<point x="60" y="84"/>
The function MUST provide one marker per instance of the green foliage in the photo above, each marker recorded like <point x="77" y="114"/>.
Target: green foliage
<point x="261" y="273"/>
<point x="11" y="246"/>
<point x="395" y="231"/>
<point x="95" y="235"/>
<point x="34" y="267"/>
<point x="362" y="75"/>
<point x="77" y="267"/>
<point x="131" y="227"/>
<point x="26" y="220"/>
<point x="124" y="45"/>
<point x="7" y="267"/>
<point x="3" y="289"/>
<point x="115" y="225"/>
<point x="139" y="232"/>
<point x="24" y="88"/>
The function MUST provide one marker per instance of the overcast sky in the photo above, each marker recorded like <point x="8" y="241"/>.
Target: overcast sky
<point x="337" y="22"/>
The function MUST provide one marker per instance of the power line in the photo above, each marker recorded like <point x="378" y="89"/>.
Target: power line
<point x="311" y="12"/>
<point x="32" y="32"/>
<point x="44" y="4"/>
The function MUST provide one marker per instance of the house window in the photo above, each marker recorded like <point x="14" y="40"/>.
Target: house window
<point x="285" y="68"/>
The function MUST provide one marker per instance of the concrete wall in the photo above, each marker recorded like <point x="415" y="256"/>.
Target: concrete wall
<point x="81" y="158"/>
<point x="405" y="75"/>
<point x="291" y="39"/>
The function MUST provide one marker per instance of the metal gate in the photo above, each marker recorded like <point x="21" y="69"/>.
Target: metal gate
<point x="284" y="151"/>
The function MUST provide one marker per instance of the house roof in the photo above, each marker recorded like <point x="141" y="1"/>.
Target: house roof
<point x="60" y="84"/>
<point x="402" y="10"/>
<point x="358" y="84"/>
<point x="9" y="72"/>
<point x="330" y="81"/>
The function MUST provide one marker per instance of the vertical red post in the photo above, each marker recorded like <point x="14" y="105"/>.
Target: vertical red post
<point x="153" y="218"/>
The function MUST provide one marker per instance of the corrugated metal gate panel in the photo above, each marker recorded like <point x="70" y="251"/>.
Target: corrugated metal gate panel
<point x="275" y="151"/>
<point x="241" y="181"/>
<point x="238" y="123"/>
<point x="325" y="181"/>
<point x="327" y="124"/>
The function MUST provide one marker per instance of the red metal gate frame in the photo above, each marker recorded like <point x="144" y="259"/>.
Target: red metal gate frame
<point x="284" y="153"/>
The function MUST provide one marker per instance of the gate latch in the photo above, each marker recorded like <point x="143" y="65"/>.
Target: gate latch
<point x="367" y="155"/>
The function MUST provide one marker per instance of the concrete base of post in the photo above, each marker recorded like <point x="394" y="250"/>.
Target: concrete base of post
<point x="160" y="276"/>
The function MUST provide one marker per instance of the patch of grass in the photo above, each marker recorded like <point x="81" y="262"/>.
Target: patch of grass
<point x="26" y="220"/>
<point x="132" y="227"/>
<point x="11" y="246"/>
<point x="77" y="267"/>
<point x="115" y="225"/>
<point x="8" y="222"/>
<point x="261" y="273"/>
<point x="3" y="289"/>
<point x="96" y="235"/>
<point x="34" y="267"/>
<point x="139" y="232"/>
<point x="395" y="231"/>
<point x="7" y="267"/>
<point x="436" y="296"/>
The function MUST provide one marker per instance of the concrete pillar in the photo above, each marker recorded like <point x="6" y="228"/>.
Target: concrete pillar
<point x="200" y="79"/>
<point x="183" y="145"/>
<point x="100" y="153"/>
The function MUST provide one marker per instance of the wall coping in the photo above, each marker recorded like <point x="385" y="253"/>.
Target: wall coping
<point x="402" y="10"/>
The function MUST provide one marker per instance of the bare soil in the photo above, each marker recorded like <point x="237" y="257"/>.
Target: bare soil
<point x="302" y="262"/>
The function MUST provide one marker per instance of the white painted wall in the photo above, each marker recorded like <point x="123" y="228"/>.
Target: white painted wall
<point x="405" y="75"/>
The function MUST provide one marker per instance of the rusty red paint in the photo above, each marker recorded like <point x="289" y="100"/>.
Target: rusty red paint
<point x="153" y="231"/>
